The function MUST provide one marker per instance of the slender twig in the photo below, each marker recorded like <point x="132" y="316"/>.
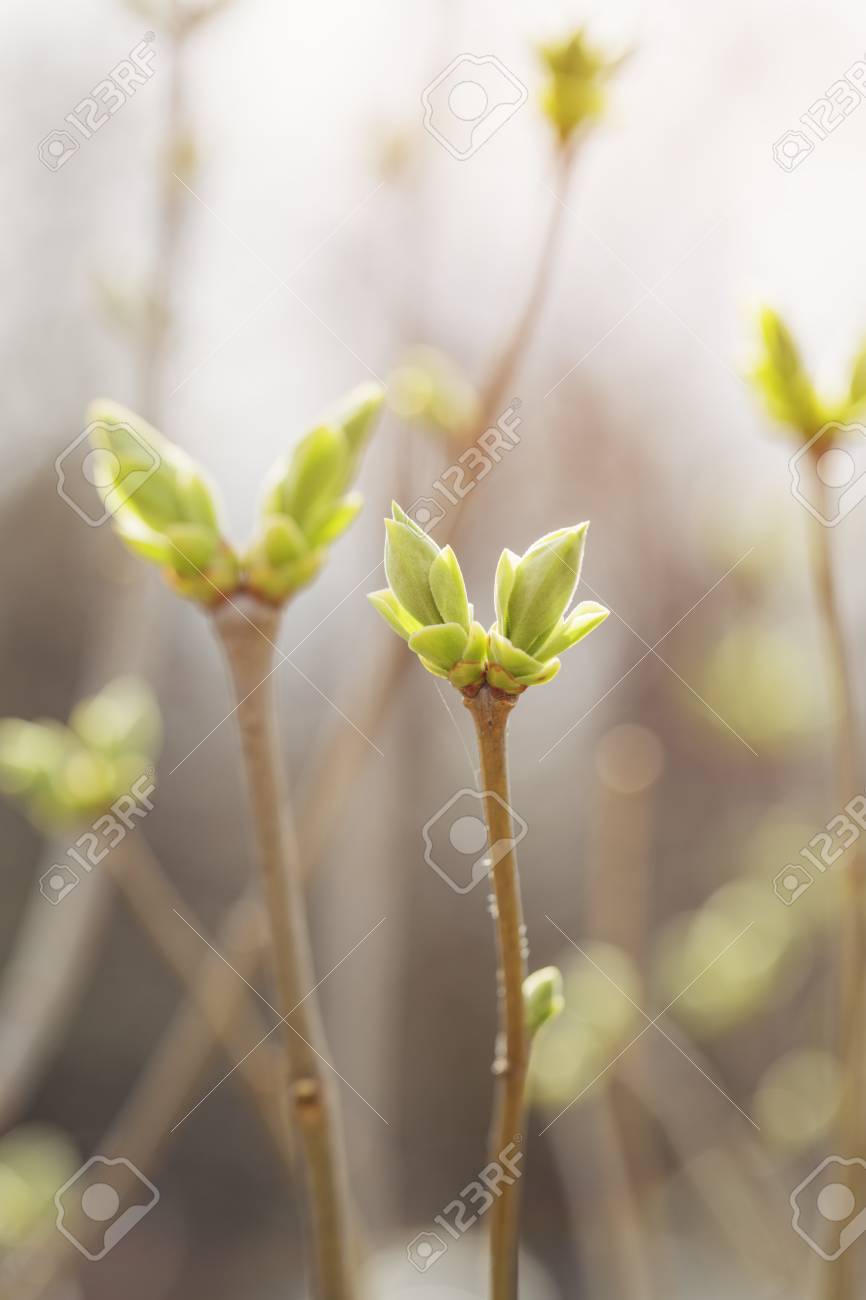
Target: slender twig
<point x="153" y="900"/>
<point x="333" y="772"/>
<point x="851" y="946"/>
<point x="247" y="630"/>
<point x="523" y="329"/>
<point x="490" y="710"/>
<point x="169" y="222"/>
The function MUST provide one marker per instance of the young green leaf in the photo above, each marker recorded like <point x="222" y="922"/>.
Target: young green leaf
<point x="449" y="589"/>
<point x="543" y="586"/>
<point x="543" y="998"/>
<point x="409" y="555"/>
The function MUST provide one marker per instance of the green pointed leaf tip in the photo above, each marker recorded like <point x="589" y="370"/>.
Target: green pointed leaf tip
<point x="307" y="490"/>
<point x="409" y="555"/>
<point x="544" y="582"/>
<point x="779" y="376"/>
<point x="449" y="590"/>
<point x="141" y="471"/>
<point x="543" y="998"/>
<point x="356" y="415"/>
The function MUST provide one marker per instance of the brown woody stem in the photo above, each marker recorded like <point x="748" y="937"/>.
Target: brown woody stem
<point x="490" y="709"/>
<point x="247" y="629"/>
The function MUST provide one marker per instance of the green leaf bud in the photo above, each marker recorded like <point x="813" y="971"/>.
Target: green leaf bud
<point x="781" y="380"/>
<point x="543" y="998"/>
<point x="409" y="555"/>
<point x="355" y="417"/>
<point x="577" y="73"/>
<point x="470" y="669"/>
<point x="308" y="492"/>
<point x="583" y="619"/>
<point x="29" y="752"/>
<point x="503" y="584"/>
<point x="393" y="613"/>
<point x="332" y="520"/>
<point x="427" y="605"/>
<point x="428" y="388"/>
<point x="145" y="473"/>
<point x="442" y="645"/>
<point x="282" y="539"/>
<point x="123" y="717"/>
<point x="544" y="583"/>
<point x="449" y="589"/>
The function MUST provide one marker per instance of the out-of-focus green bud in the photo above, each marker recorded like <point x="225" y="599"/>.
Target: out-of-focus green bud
<point x="542" y="997"/>
<point x="798" y="1098"/>
<point x="760" y="954"/>
<point x="574" y="92"/>
<point x="282" y="540"/>
<point x="306" y="502"/>
<point x="122" y="717"/>
<point x="427" y="605"/>
<point x="207" y="586"/>
<point x="161" y="504"/>
<point x="65" y="774"/>
<point x="34" y="1161"/>
<point x="355" y="417"/>
<point x="430" y="389"/>
<point x="532" y="593"/>
<point x="29" y="753"/>
<point x="781" y="380"/>
<point x="598" y="1020"/>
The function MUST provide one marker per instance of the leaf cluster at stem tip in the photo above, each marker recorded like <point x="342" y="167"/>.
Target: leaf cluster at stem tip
<point x="163" y="507"/>
<point x="786" y="388"/>
<point x="426" y="603"/>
